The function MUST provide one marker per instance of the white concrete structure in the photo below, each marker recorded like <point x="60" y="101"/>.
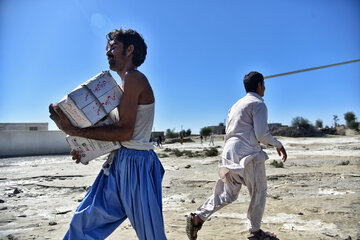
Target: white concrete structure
<point x="25" y="143"/>
<point x="24" y="139"/>
<point x="24" y="126"/>
<point x="220" y="129"/>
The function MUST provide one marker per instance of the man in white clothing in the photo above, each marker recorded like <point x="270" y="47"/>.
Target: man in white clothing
<point x="242" y="161"/>
<point x="211" y="139"/>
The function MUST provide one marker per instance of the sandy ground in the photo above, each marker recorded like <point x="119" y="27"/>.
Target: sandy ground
<point x="315" y="196"/>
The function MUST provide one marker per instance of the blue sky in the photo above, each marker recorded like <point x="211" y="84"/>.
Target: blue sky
<point x="198" y="53"/>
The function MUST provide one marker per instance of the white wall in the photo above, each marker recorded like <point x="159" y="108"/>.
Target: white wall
<point x="22" y="143"/>
<point x="24" y="126"/>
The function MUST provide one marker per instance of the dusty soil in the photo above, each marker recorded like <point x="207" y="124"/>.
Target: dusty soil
<point x="315" y="196"/>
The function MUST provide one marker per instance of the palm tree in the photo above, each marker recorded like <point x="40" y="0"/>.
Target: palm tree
<point x="335" y="119"/>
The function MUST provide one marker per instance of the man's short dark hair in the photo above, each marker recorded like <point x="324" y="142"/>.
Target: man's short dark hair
<point x="130" y="37"/>
<point x="251" y="81"/>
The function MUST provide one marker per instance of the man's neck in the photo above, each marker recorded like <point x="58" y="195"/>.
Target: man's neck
<point x="256" y="94"/>
<point x="122" y="73"/>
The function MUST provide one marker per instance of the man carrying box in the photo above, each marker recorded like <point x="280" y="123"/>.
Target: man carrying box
<point x="131" y="186"/>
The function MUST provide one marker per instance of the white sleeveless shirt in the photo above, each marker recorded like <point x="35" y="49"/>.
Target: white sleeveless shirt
<point x="142" y="131"/>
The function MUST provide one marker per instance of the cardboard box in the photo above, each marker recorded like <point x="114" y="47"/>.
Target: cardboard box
<point x="90" y="102"/>
<point x="90" y="148"/>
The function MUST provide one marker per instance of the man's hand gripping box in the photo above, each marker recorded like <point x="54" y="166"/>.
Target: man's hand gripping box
<point x="90" y="149"/>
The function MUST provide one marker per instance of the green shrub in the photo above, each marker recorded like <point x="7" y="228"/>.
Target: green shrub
<point x="177" y="152"/>
<point x="349" y="118"/>
<point x="211" y="152"/>
<point x="188" y="153"/>
<point x="188" y="132"/>
<point x="353" y="125"/>
<point x="319" y="123"/>
<point x="191" y="154"/>
<point x="171" y="133"/>
<point x="205" y="131"/>
<point x="301" y="123"/>
<point x="277" y="164"/>
<point x="167" y="150"/>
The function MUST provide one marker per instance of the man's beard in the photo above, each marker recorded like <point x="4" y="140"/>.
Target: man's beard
<point x="112" y="62"/>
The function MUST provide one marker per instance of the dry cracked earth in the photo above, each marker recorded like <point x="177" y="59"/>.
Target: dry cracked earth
<point x="315" y="195"/>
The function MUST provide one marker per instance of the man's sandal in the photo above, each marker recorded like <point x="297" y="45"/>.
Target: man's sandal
<point x="190" y="228"/>
<point x="261" y="235"/>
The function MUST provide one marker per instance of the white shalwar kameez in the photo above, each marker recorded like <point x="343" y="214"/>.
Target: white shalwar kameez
<point x="243" y="161"/>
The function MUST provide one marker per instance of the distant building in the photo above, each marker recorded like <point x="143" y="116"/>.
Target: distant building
<point x="26" y="139"/>
<point x="220" y="129"/>
<point x="155" y="135"/>
<point x="274" y="126"/>
<point x="24" y="126"/>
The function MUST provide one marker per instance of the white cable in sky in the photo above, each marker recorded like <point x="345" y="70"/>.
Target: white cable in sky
<point x="311" y="69"/>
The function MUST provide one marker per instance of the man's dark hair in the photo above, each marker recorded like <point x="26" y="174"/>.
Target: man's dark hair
<point x="128" y="37"/>
<point x="251" y="81"/>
